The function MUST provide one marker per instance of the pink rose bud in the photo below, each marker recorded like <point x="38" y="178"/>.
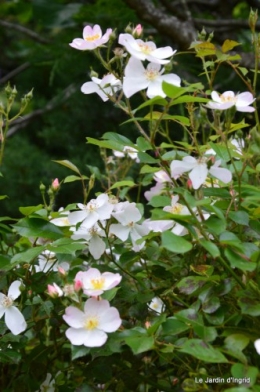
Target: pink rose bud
<point x="189" y="184"/>
<point x="147" y="324"/>
<point x="54" y="290"/>
<point x="55" y="184"/>
<point x="138" y="30"/>
<point x="62" y="271"/>
<point x="78" y="285"/>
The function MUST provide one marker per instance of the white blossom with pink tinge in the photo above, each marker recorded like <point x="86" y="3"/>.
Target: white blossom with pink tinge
<point x="142" y="50"/>
<point x="127" y="214"/>
<point x="229" y="99"/>
<point x="138" y="78"/>
<point x="105" y="87"/>
<point x="92" y="38"/>
<point x="92" y="235"/>
<point x="94" y="283"/>
<point x="90" y="327"/>
<point x="14" y="319"/>
<point x="199" y="170"/>
<point x="97" y="209"/>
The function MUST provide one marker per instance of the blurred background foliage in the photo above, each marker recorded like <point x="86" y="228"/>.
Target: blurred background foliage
<point x="34" y="38"/>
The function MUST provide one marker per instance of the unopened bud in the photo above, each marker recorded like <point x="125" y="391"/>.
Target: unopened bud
<point x="14" y="92"/>
<point x="29" y="95"/>
<point x="202" y="35"/>
<point x="62" y="271"/>
<point x="119" y="52"/>
<point x="91" y="182"/>
<point x="113" y="36"/>
<point x="8" y="90"/>
<point x="138" y="31"/>
<point x="189" y="184"/>
<point x="253" y="16"/>
<point x="129" y="29"/>
<point x="54" y="290"/>
<point x="93" y="74"/>
<point x="42" y="187"/>
<point x="55" y="185"/>
<point x="78" y="285"/>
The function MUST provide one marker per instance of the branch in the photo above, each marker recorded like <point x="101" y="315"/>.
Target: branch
<point x="56" y="101"/>
<point x="25" y="31"/>
<point x="229" y="23"/>
<point x="14" y="72"/>
<point x="182" y="32"/>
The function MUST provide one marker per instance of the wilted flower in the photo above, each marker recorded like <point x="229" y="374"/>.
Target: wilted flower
<point x="92" y="38"/>
<point x="89" y="327"/>
<point x="145" y="50"/>
<point x="14" y="319"/>
<point x="105" y="87"/>
<point x="229" y="98"/>
<point x="138" y="78"/>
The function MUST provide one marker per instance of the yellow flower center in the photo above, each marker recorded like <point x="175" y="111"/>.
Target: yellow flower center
<point x="7" y="302"/>
<point x="92" y="38"/>
<point x="98" y="284"/>
<point x="145" y="48"/>
<point x="151" y="74"/>
<point x="91" y="323"/>
<point x="176" y="209"/>
<point x="227" y="98"/>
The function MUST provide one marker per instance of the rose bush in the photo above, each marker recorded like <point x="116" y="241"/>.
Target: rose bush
<point x="159" y="285"/>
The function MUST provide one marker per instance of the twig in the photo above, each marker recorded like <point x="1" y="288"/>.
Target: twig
<point x="56" y="101"/>
<point x="24" y="30"/>
<point x="14" y="72"/>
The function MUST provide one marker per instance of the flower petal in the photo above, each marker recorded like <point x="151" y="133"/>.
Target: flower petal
<point x="198" y="175"/>
<point x="15" y="320"/>
<point x="74" y="317"/>
<point x="14" y="289"/>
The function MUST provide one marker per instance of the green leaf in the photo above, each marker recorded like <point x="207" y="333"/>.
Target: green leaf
<point x="221" y="151"/>
<point x="211" y="305"/>
<point x="66" y="246"/>
<point x="238" y="340"/>
<point x="30" y="210"/>
<point x="69" y="165"/>
<point x="237" y="261"/>
<point x="10" y="356"/>
<point x="3" y="197"/>
<point x="26" y="256"/>
<point x="190" y="284"/>
<point x="249" y="306"/>
<point x="189" y="98"/>
<point x="148" y="169"/>
<point x="215" y="225"/>
<point x="4" y="262"/>
<point x="125" y="183"/>
<point x="160" y="201"/>
<point x="112" y="145"/>
<point x="175" y="243"/>
<point x="207" y="334"/>
<point x="229" y="45"/>
<point x="143" y="144"/>
<point x="146" y="158"/>
<point x="73" y="178"/>
<point x="210" y="247"/>
<point x="203" y="351"/>
<point x="173" y="326"/>
<point x="120" y="139"/>
<point x="173" y="91"/>
<point x="36" y="227"/>
<point x="241" y="371"/>
<point x="240" y="217"/>
<point x="79" y="352"/>
<point x="140" y="344"/>
<point x="154" y="101"/>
